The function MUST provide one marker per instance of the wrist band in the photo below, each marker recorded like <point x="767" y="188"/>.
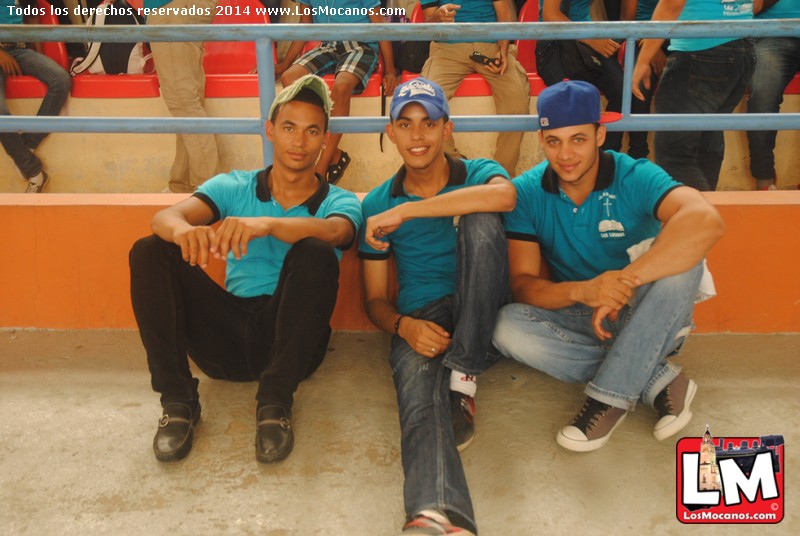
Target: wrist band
<point x="397" y="324"/>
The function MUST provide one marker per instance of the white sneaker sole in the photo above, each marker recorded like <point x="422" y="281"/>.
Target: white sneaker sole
<point x="585" y="445"/>
<point x="671" y="425"/>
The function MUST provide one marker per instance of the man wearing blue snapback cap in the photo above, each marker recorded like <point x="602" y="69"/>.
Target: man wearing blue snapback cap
<point x="438" y="217"/>
<point x="618" y="302"/>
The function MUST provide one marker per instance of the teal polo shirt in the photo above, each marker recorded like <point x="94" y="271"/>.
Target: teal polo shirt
<point x="8" y="13"/>
<point x="575" y="10"/>
<point x="718" y="10"/>
<point x="582" y="242"/>
<point x="246" y="194"/>
<point x="470" y="11"/>
<point x="424" y="248"/>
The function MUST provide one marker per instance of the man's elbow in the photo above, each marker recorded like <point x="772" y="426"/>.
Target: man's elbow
<point x="506" y="197"/>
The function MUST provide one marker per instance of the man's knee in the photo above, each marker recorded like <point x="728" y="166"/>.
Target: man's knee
<point x="482" y="226"/>
<point x="316" y="255"/>
<point x="145" y="249"/>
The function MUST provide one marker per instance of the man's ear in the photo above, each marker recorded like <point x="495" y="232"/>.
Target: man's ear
<point x="390" y="131"/>
<point x="448" y="130"/>
<point x="270" y="129"/>
<point x="601" y="135"/>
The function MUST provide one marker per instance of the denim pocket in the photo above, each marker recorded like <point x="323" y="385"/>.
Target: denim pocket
<point x="709" y="75"/>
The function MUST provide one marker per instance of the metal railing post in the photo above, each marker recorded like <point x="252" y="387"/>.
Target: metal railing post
<point x="266" y="91"/>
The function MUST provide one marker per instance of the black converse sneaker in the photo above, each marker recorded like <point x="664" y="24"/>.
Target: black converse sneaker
<point x="591" y="428"/>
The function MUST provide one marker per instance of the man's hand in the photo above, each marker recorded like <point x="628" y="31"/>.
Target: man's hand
<point x="380" y="225"/>
<point x="501" y="65"/>
<point x="446" y="13"/>
<point x="194" y="242"/>
<point x="612" y="289"/>
<point x="424" y="337"/>
<point x="658" y="63"/>
<point x="389" y="82"/>
<point x="604" y="47"/>
<point x="8" y="64"/>
<point x="642" y="72"/>
<point x="235" y="233"/>
<point x="600" y="313"/>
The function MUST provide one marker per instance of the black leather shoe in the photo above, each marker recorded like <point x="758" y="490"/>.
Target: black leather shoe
<point x="274" y="435"/>
<point x="173" y="440"/>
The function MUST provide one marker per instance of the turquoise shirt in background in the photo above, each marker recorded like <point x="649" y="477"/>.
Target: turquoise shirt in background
<point x="716" y="10"/>
<point x="246" y="194"/>
<point x="578" y="10"/>
<point x="8" y="15"/>
<point x="782" y="9"/>
<point x="152" y="4"/>
<point x="470" y="11"/>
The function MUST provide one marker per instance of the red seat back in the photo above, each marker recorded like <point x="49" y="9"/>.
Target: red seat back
<point x="526" y="50"/>
<point x="231" y="57"/>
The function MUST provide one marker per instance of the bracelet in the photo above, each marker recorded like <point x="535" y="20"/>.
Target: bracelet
<point x="397" y="324"/>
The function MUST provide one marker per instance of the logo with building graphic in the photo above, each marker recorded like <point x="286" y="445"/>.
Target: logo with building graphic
<point x="730" y="479"/>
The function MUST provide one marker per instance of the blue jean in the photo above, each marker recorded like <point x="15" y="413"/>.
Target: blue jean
<point x="629" y="367"/>
<point x="434" y="476"/>
<point x="58" y="81"/>
<point x="778" y="59"/>
<point x="704" y="82"/>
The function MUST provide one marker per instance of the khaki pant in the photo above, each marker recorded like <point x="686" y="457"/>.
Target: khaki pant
<point x="449" y="63"/>
<point x="182" y="79"/>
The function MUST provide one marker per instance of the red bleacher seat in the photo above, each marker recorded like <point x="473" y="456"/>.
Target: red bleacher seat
<point x="116" y="86"/>
<point x="794" y="86"/>
<point x="374" y="85"/>
<point x="28" y="87"/>
<point x="230" y="65"/>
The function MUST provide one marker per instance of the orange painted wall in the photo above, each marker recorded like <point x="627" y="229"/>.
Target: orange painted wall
<point x="64" y="263"/>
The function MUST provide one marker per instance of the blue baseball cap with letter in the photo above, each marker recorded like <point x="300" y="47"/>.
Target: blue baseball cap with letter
<point x="570" y="103"/>
<point x="421" y="91"/>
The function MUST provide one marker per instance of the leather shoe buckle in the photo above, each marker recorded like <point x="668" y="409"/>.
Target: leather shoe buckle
<point x="163" y="421"/>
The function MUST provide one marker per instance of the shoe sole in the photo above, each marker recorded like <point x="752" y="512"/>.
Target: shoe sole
<point x="682" y="420"/>
<point x="463" y="446"/>
<point x="587" y="446"/>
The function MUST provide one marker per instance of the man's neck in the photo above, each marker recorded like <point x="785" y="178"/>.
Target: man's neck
<point x="290" y="188"/>
<point x="429" y="181"/>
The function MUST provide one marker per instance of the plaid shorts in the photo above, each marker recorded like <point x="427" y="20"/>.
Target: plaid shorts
<point x="354" y="57"/>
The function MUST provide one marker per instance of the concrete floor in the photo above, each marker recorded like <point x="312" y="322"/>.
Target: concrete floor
<point x="77" y="418"/>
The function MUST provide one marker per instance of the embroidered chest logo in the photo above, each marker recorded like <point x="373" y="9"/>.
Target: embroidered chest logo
<point x="608" y="226"/>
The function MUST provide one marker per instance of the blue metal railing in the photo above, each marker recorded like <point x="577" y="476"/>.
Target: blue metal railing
<point x="266" y="35"/>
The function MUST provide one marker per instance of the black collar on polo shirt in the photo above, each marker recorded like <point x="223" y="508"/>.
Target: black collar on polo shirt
<point x="605" y="175"/>
<point x="312" y="203"/>
<point x="458" y="175"/>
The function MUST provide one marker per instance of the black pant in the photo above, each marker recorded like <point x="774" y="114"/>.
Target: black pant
<point x="279" y="340"/>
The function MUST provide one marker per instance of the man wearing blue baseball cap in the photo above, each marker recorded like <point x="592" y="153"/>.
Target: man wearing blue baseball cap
<point x="625" y="245"/>
<point x="438" y="217"/>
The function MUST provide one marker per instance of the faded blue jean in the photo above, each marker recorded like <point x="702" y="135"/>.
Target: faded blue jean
<point x="629" y="367"/>
<point x="709" y="81"/>
<point x="434" y="476"/>
<point x="778" y="59"/>
<point x="58" y="81"/>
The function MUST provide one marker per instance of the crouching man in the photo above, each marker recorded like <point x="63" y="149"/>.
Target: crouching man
<point x="604" y="319"/>
<point x="282" y="232"/>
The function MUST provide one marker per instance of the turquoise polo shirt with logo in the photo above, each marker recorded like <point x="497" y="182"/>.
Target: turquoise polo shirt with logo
<point x="424" y="248"/>
<point x="246" y="194"/>
<point x="582" y="242"/>
<point x="716" y="10"/>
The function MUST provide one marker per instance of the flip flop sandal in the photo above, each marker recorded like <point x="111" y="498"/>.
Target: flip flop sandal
<point x="336" y="171"/>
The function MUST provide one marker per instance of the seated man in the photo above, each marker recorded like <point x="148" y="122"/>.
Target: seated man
<point x="282" y="232"/>
<point x="17" y="59"/>
<point x="451" y="61"/>
<point x="351" y="61"/>
<point x="605" y="318"/>
<point x="777" y="61"/>
<point x="452" y="280"/>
